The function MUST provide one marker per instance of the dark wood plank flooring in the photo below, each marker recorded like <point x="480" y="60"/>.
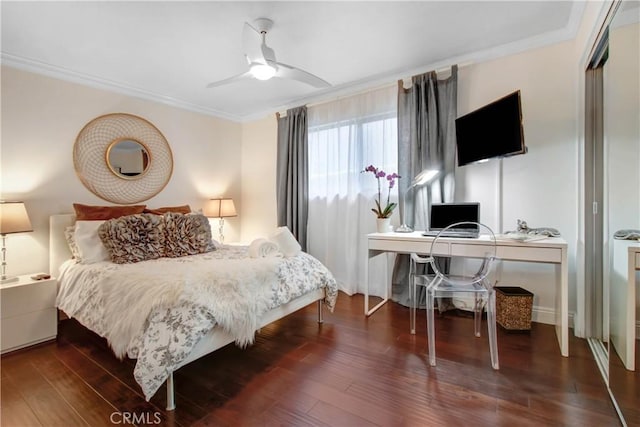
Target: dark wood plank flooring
<point x="625" y="385"/>
<point x="349" y="371"/>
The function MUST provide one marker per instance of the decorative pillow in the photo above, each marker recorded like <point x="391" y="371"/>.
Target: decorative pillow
<point x="184" y="209"/>
<point x="187" y="235"/>
<point x="90" y="248"/>
<point x="133" y="238"/>
<point x="69" y="235"/>
<point x="93" y="213"/>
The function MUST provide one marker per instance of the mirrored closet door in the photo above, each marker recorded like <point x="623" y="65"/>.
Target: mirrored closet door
<point x="612" y="204"/>
<point x="621" y="130"/>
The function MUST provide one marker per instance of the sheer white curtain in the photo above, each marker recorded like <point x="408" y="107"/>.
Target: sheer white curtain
<point x="345" y="136"/>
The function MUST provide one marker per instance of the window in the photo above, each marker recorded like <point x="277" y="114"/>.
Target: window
<point x="346" y="136"/>
<point x="338" y="152"/>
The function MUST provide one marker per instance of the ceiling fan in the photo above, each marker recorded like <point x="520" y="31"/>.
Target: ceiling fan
<point x="262" y="59"/>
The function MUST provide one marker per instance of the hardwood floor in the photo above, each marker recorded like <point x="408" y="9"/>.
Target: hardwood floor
<point x="349" y="371"/>
<point x="625" y="385"/>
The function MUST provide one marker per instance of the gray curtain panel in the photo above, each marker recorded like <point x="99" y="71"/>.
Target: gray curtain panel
<point x="292" y="179"/>
<point x="426" y="140"/>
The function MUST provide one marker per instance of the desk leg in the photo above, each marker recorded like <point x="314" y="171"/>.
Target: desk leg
<point x="562" y="304"/>
<point x="368" y="312"/>
<point x="629" y="358"/>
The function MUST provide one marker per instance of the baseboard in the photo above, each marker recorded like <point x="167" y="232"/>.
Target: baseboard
<point x="548" y="316"/>
<point x="538" y="314"/>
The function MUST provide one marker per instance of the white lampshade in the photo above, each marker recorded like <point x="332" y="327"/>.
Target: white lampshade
<point x="14" y="218"/>
<point x="220" y="208"/>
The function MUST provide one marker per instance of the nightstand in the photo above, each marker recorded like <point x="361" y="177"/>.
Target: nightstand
<point x="29" y="314"/>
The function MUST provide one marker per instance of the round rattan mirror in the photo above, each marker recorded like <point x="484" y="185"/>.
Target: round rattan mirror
<point x="127" y="158"/>
<point x="122" y="158"/>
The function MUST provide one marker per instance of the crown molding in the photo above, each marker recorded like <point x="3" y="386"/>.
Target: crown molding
<point x="567" y="33"/>
<point x="68" y="75"/>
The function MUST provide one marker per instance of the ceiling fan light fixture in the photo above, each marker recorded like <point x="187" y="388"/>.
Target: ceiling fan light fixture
<point x="262" y="60"/>
<point x="262" y="71"/>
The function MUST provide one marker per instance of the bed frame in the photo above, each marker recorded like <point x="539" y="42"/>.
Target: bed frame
<point x="214" y="339"/>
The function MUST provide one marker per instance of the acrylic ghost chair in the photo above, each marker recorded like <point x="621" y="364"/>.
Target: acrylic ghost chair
<point x="467" y="273"/>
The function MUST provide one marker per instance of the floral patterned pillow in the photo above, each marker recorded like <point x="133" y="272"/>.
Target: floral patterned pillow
<point x="188" y="234"/>
<point x="134" y="238"/>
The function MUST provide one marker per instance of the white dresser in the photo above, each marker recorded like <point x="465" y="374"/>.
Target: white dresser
<point x="29" y="315"/>
<point x="622" y="295"/>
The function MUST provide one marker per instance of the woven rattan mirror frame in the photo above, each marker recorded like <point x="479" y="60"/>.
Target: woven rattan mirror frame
<point x="89" y="158"/>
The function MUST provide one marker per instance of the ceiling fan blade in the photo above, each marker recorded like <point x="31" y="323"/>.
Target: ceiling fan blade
<point x="268" y="54"/>
<point x="252" y="45"/>
<point x="239" y="77"/>
<point x="259" y="55"/>
<point x="289" y="72"/>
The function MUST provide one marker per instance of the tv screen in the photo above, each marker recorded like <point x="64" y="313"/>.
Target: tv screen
<point x="494" y="130"/>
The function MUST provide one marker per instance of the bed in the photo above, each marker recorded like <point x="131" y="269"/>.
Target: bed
<point x="168" y="312"/>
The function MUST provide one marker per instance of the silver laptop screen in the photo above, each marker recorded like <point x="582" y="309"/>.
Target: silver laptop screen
<point x="445" y="214"/>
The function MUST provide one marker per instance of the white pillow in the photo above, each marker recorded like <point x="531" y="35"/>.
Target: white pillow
<point x="88" y="241"/>
<point x="286" y="242"/>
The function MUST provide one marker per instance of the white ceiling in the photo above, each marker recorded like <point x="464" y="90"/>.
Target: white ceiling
<point x="169" y="51"/>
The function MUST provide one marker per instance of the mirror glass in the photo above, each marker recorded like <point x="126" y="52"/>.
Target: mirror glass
<point x="128" y="158"/>
<point x="621" y="128"/>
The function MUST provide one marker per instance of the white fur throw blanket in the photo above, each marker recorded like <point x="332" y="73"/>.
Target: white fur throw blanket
<point x="235" y="292"/>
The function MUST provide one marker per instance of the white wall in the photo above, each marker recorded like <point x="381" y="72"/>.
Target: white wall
<point x="622" y="134"/>
<point x="41" y="118"/>
<point x="259" y="150"/>
<point x="540" y="186"/>
<point x="622" y="128"/>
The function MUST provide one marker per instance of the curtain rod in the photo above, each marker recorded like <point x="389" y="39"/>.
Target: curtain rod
<point x="336" y="98"/>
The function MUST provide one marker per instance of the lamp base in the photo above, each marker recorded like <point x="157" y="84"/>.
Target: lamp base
<point x="9" y="279"/>
<point x="404" y="228"/>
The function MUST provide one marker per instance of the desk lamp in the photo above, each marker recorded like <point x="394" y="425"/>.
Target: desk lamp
<point x="13" y="219"/>
<point x="422" y="178"/>
<point x="220" y="208"/>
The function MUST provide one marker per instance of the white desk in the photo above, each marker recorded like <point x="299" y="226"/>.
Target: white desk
<point x="626" y="261"/>
<point x="551" y="250"/>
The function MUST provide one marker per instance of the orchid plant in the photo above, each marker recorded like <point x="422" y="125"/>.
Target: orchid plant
<point x="391" y="182"/>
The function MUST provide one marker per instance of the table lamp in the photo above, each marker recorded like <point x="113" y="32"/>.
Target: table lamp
<point x="220" y="208"/>
<point x="422" y="178"/>
<point x="13" y="219"/>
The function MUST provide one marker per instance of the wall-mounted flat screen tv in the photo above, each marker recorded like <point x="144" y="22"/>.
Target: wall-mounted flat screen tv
<point x="494" y="130"/>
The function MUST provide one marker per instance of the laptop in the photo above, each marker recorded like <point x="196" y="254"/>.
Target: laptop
<point x="443" y="215"/>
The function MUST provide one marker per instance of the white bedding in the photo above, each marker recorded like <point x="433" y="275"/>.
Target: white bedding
<point x="158" y="320"/>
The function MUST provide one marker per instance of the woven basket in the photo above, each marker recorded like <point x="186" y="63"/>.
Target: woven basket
<point x="514" y="306"/>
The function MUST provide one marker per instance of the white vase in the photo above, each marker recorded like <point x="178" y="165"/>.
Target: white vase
<point x="383" y="225"/>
